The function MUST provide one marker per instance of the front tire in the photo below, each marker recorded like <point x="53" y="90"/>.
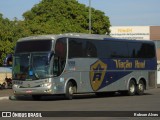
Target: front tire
<point x="70" y="90"/>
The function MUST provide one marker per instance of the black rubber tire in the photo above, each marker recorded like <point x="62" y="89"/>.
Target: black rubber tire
<point x="131" y="88"/>
<point x="70" y="90"/>
<point x="140" y="88"/>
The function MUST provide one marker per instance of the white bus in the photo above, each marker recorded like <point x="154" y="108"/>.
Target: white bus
<point x="79" y="63"/>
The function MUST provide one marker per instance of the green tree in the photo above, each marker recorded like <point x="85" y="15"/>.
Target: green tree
<point x="6" y="38"/>
<point x="50" y="17"/>
<point x="61" y="16"/>
<point x="10" y="32"/>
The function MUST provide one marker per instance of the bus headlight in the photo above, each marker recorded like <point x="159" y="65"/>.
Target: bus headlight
<point x="46" y="85"/>
<point x="16" y="86"/>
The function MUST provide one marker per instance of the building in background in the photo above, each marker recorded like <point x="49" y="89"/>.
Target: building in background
<point x="140" y="33"/>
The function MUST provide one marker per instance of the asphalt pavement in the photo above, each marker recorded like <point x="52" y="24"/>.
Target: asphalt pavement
<point x="5" y="92"/>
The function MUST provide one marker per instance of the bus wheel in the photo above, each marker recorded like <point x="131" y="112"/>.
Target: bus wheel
<point x="70" y="89"/>
<point x="132" y="88"/>
<point x="140" y="88"/>
<point x="36" y="97"/>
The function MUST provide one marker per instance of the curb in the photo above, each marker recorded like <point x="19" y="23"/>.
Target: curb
<point x="4" y="98"/>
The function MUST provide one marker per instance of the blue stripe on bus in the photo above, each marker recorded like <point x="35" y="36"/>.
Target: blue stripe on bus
<point x="111" y="77"/>
<point x="107" y="71"/>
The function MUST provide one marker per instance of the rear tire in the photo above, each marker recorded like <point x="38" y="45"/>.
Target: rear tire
<point x="140" y="88"/>
<point x="131" y="88"/>
<point x="70" y="90"/>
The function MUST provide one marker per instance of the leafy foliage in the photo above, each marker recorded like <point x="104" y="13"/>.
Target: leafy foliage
<point x="6" y="37"/>
<point x="51" y="17"/>
<point x="61" y="16"/>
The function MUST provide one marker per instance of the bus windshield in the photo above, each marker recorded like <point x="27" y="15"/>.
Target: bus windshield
<point x="31" y="66"/>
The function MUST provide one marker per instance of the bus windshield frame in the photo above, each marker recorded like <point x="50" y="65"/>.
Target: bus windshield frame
<point x="32" y="59"/>
<point x="31" y="66"/>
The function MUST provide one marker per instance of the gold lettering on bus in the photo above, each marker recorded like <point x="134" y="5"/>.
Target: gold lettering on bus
<point x="127" y="64"/>
<point x="123" y="65"/>
<point x="139" y="64"/>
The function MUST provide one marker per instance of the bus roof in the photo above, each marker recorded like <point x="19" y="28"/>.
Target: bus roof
<point x="127" y="40"/>
<point x="71" y="35"/>
<point x="78" y="35"/>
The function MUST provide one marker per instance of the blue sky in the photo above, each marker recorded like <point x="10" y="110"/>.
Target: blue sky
<point x="120" y="12"/>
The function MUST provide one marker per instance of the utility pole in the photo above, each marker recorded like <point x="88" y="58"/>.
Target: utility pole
<point x="90" y="18"/>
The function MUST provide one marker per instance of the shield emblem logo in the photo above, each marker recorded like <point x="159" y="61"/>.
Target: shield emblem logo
<point x="97" y="74"/>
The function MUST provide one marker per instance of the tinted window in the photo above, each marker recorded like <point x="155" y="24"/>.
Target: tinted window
<point x="151" y="51"/>
<point x="141" y="50"/>
<point x="134" y="50"/>
<point x="91" y="49"/>
<point x="33" y="46"/>
<point x="60" y="56"/>
<point x="77" y="48"/>
<point x="97" y="48"/>
<point x="110" y="49"/>
<point x="61" y="48"/>
<point x="103" y="49"/>
<point x="118" y="49"/>
<point x="82" y="48"/>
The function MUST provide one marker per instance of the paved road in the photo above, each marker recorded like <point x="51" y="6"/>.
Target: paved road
<point x="148" y="102"/>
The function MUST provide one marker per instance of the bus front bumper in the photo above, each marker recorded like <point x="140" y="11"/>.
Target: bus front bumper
<point x="45" y="90"/>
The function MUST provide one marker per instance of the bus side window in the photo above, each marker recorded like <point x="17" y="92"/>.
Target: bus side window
<point x="58" y="66"/>
<point x="91" y="49"/>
